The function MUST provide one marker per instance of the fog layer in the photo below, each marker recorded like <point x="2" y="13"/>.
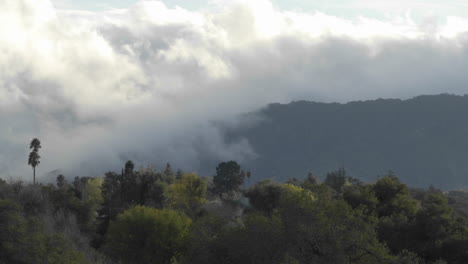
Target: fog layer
<point x="148" y="83"/>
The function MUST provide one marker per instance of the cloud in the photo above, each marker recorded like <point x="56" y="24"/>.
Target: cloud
<point x="149" y="83"/>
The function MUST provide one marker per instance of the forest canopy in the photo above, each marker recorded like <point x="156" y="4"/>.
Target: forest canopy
<point x="151" y="216"/>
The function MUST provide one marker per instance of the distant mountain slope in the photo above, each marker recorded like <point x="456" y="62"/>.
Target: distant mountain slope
<point x="424" y="140"/>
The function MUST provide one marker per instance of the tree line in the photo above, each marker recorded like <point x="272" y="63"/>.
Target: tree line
<point x="167" y="216"/>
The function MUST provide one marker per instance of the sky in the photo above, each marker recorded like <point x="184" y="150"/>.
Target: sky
<point x="103" y="82"/>
<point x="343" y="8"/>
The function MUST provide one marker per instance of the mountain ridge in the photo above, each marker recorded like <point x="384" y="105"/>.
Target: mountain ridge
<point x="422" y="139"/>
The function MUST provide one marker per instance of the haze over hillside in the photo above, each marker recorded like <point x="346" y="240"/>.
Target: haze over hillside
<point x="146" y="80"/>
<point x="424" y="140"/>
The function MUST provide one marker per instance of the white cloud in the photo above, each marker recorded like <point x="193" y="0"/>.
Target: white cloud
<point x="148" y="82"/>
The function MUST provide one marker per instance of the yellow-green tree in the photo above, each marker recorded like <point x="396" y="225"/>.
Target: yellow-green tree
<point x="93" y="191"/>
<point x="147" y="235"/>
<point x="292" y="194"/>
<point x="188" y="193"/>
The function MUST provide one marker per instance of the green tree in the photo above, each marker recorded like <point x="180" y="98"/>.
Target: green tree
<point x="93" y="191"/>
<point x="147" y="235"/>
<point x="294" y="196"/>
<point x="34" y="156"/>
<point x="329" y="232"/>
<point x="433" y="226"/>
<point x="337" y="179"/>
<point x="112" y="205"/>
<point x="61" y="181"/>
<point x="206" y="228"/>
<point x="396" y="210"/>
<point x="258" y="241"/>
<point x="229" y="177"/>
<point x="169" y="173"/>
<point x="265" y="196"/>
<point x="361" y="196"/>
<point x="188" y="193"/>
<point x="25" y="240"/>
<point x="12" y="231"/>
<point x="179" y="174"/>
<point x="393" y="197"/>
<point x="129" y="166"/>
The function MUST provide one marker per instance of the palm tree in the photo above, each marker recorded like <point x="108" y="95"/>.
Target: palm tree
<point x="34" y="156"/>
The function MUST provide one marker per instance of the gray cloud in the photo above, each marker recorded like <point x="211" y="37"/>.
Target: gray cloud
<point x="148" y="83"/>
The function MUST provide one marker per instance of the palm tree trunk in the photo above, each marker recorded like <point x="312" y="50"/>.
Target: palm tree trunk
<point x="34" y="175"/>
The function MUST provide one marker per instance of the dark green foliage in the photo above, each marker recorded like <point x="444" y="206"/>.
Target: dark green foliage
<point x="393" y="197"/>
<point x="122" y="191"/>
<point x="299" y="229"/>
<point x="71" y="200"/>
<point x="12" y="231"/>
<point x="264" y="196"/>
<point x="396" y="210"/>
<point x="458" y="200"/>
<point x="337" y="180"/>
<point x="112" y="205"/>
<point x="407" y="257"/>
<point x="258" y="241"/>
<point x="329" y="232"/>
<point x="146" y="216"/>
<point x="433" y="226"/>
<point x="229" y="177"/>
<point x="454" y="250"/>
<point x="205" y="230"/>
<point x="361" y="196"/>
<point x="26" y="240"/>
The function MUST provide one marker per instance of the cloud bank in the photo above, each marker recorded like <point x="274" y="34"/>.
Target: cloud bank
<point x="147" y="83"/>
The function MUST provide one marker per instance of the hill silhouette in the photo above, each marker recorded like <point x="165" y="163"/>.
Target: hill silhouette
<point x="423" y="140"/>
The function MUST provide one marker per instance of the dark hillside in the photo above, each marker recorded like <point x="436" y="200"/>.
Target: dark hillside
<point x="424" y="140"/>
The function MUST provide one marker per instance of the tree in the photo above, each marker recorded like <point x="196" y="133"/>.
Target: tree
<point x="265" y="196"/>
<point x="361" y="196"/>
<point x="168" y="173"/>
<point x="396" y="210"/>
<point x="393" y="197"/>
<point x="188" y="193"/>
<point x="321" y="231"/>
<point x="129" y="166"/>
<point x="34" y="156"/>
<point x="337" y="179"/>
<point x="229" y="177"/>
<point x="147" y="235"/>
<point x="433" y="226"/>
<point x="179" y="174"/>
<point x="13" y="231"/>
<point x="61" y="181"/>
<point x="259" y="240"/>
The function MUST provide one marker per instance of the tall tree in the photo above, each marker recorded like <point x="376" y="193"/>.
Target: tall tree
<point x="168" y="170"/>
<point x="229" y="177"/>
<point x="34" y="156"/>
<point x="169" y="173"/>
<point x="129" y="167"/>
